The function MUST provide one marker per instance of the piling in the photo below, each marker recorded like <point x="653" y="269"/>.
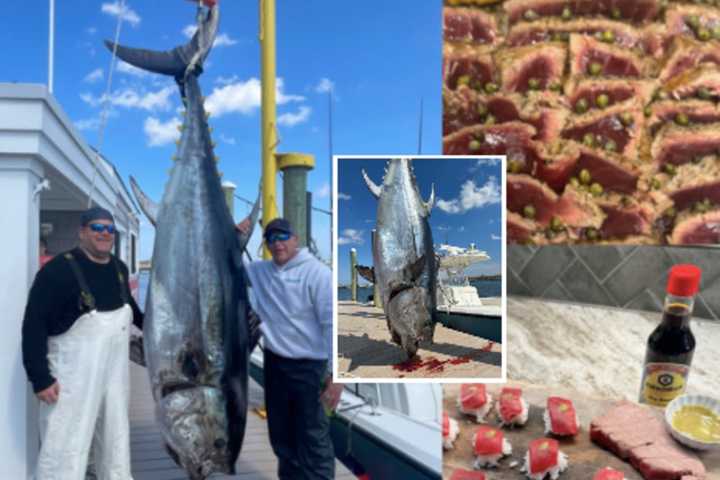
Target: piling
<point x="295" y="167"/>
<point x="353" y="274"/>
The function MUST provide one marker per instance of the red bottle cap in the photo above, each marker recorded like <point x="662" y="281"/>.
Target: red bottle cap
<point x="684" y="280"/>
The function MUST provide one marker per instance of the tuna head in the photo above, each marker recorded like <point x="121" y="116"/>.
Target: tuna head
<point x="195" y="428"/>
<point x="409" y="318"/>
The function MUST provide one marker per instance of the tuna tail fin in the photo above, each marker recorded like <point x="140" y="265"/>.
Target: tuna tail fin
<point x="149" y="207"/>
<point x="368" y="273"/>
<point x="431" y="201"/>
<point x="374" y="189"/>
<point x="176" y="61"/>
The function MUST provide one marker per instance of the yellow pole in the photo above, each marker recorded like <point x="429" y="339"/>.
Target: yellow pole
<point x="269" y="132"/>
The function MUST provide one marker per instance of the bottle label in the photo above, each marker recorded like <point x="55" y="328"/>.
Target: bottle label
<point x="662" y="382"/>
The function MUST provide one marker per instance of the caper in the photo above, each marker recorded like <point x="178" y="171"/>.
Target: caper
<point x="585" y="176"/>
<point x="670" y="169"/>
<point x="607" y="36"/>
<point x="595" y="68"/>
<point x="581" y="106"/>
<point x="530" y="15"/>
<point x="574" y="182"/>
<point x="529" y="212"/>
<point x="596" y="189"/>
<point x="566" y="13"/>
<point x="626" y="118"/>
<point x="704" y="34"/>
<point x="474" y="146"/>
<point x="716" y="32"/>
<point x="557" y="37"/>
<point x="704" y="93"/>
<point x="682" y="119"/>
<point x="602" y="100"/>
<point x="660" y="95"/>
<point x="463" y="80"/>
<point x="490" y="120"/>
<point x="556" y="225"/>
<point x="655" y="184"/>
<point x="476" y="85"/>
<point x="491" y="87"/>
<point x="693" y="21"/>
<point x="589" y="139"/>
<point x="615" y="13"/>
<point x="514" y="166"/>
<point x="533" y="83"/>
<point x="670" y="212"/>
<point x="555" y="86"/>
<point x="610" y="145"/>
<point x="647" y="111"/>
<point x="701" y="207"/>
<point x="591" y="233"/>
<point x="482" y="109"/>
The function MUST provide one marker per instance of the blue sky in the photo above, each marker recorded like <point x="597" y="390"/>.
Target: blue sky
<point x="379" y="58"/>
<point x="467" y="207"/>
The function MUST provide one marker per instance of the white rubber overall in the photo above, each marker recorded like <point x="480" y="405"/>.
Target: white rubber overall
<point x="90" y="362"/>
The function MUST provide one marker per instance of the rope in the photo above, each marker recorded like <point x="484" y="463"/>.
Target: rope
<point x="106" y="101"/>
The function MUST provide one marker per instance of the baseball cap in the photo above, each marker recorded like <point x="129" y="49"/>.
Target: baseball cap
<point x="95" y="213"/>
<point x="279" y="225"/>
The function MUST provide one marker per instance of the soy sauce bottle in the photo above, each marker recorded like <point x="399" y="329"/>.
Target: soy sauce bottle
<point x="671" y="345"/>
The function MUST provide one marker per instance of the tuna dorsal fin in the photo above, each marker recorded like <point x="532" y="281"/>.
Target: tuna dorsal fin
<point x="149" y="207"/>
<point x="368" y="273"/>
<point x="374" y="189"/>
<point x="413" y="271"/>
<point x="173" y="62"/>
<point x="431" y="201"/>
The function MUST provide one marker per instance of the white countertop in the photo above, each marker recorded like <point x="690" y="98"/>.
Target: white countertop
<point x="597" y="350"/>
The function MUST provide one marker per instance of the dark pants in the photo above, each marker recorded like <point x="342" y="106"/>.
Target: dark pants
<point x="299" y="428"/>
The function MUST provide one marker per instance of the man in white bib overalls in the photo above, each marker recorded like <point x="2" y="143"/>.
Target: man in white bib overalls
<point x="75" y="352"/>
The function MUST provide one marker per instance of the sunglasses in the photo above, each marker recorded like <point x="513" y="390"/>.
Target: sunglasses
<point x="100" y="227"/>
<point x="274" y="237"/>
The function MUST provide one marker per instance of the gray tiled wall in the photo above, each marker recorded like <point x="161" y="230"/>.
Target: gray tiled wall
<point x="622" y="276"/>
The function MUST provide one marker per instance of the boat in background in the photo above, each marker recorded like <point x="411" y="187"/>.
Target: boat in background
<point x="458" y="304"/>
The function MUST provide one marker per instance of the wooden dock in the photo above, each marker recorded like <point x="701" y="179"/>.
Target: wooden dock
<point x="366" y="351"/>
<point x="150" y="461"/>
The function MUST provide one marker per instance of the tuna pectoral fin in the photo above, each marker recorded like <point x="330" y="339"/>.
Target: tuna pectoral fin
<point x="368" y="273"/>
<point x="253" y="330"/>
<point x="243" y="238"/>
<point x="374" y="189"/>
<point x="413" y="271"/>
<point x="149" y="208"/>
<point x="431" y="201"/>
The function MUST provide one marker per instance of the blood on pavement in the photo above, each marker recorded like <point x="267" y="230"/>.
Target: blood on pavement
<point x="433" y="365"/>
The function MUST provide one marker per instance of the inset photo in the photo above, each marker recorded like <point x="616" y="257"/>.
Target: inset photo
<point x="419" y="261"/>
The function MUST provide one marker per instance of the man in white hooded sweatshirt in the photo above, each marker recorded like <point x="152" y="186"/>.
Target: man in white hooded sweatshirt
<point x="293" y="298"/>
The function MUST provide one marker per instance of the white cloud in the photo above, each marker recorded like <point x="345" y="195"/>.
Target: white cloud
<point x="323" y="191"/>
<point x="343" y="196"/>
<point x="243" y="97"/>
<point x="488" y="161"/>
<point x="91" y="30"/>
<point x="88" y="124"/>
<point x="124" y="67"/>
<point x="226" y="80"/>
<point x="94" y="76"/>
<point x="495" y="237"/>
<point x="291" y="119"/>
<point x="159" y="133"/>
<point x="325" y="85"/>
<point x="472" y="196"/>
<point x="127" y="14"/>
<point x="228" y="140"/>
<point x="221" y="40"/>
<point x="130" y="98"/>
<point x="350" y="236"/>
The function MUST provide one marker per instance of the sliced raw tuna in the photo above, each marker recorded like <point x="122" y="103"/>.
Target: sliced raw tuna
<point x="634" y="433"/>
<point x="467" y="64"/>
<point x="608" y="169"/>
<point x="677" y="145"/>
<point x="608" y="473"/>
<point x="687" y="197"/>
<point x="520" y="67"/>
<point x="561" y="416"/>
<point x="611" y="60"/>
<point x="616" y="90"/>
<point x="619" y="125"/>
<point x="678" y="19"/>
<point x="686" y="54"/>
<point x="470" y="25"/>
<point x="690" y="111"/>
<point x="702" y="82"/>
<point x="462" y="474"/>
<point x="633" y="11"/>
<point x="697" y="229"/>
<point x="556" y="29"/>
<point x="556" y="164"/>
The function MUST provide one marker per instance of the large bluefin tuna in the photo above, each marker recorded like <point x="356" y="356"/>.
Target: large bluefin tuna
<point x="197" y="332"/>
<point x="404" y="260"/>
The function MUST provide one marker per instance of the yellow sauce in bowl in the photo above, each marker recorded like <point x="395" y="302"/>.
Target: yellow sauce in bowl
<point x="699" y="423"/>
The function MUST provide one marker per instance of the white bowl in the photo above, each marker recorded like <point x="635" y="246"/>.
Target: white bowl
<point x="701" y="400"/>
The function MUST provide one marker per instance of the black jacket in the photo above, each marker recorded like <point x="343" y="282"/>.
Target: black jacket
<point x="55" y="303"/>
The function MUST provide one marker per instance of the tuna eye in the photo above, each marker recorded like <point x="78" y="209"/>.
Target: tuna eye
<point x="219" y="443"/>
